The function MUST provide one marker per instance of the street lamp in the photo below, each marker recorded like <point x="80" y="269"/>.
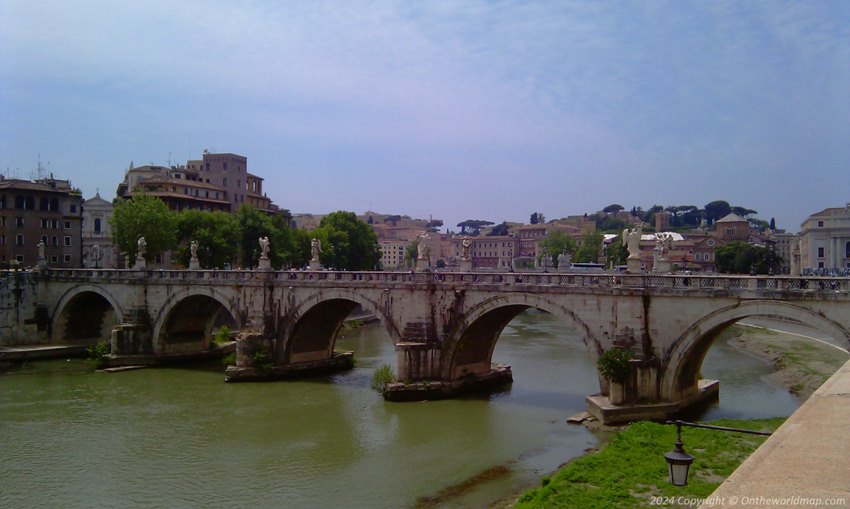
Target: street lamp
<point x="679" y="462"/>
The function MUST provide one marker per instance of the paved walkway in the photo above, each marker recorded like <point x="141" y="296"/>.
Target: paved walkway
<point x="805" y="463"/>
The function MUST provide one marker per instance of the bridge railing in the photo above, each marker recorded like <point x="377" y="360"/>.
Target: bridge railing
<point x="524" y="279"/>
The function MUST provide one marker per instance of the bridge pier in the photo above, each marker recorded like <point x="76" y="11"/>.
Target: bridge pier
<point x="601" y="407"/>
<point x="255" y="362"/>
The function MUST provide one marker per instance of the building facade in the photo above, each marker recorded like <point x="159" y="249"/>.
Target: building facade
<point x="215" y="182"/>
<point x="825" y="241"/>
<point x="47" y="211"/>
<point x="98" y="250"/>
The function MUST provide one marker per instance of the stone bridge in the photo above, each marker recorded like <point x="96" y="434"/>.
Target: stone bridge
<point x="445" y="326"/>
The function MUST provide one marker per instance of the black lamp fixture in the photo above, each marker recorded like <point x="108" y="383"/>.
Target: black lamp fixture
<point x="679" y="462"/>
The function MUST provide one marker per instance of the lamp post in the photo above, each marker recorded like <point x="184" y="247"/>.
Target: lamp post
<point x="679" y="462"/>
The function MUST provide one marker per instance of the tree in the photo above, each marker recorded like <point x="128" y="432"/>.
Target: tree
<point x="143" y="216"/>
<point x="742" y="258"/>
<point x="556" y="243"/>
<point x="347" y="242"/>
<point x="590" y="249"/>
<point x="473" y="226"/>
<point x="773" y="224"/>
<point x="253" y="224"/>
<point x="217" y="235"/>
<point x="616" y="252"/>
<point x="717" y="210"/>
<point x="613" y="208"/>
<point x="743" y="211"/>
<point x="411" y="253"/>
<point x="537" y="218"/>
<point x="612" y="224"/>
<point x="499" y="229"/>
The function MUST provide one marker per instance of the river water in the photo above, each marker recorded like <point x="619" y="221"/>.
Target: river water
<point x="181" y="437"/>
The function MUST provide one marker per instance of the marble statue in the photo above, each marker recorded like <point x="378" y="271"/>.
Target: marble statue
<point x="631" y="239"/>
<point x="141" y="246"/>
<point x="264" y="248"/>
<point x="422" y="248"/>
<point x="315" y="249"/>
<point x="40" y="249"/>
<point x="193" y="249"/>
<point x="465" y="244"/>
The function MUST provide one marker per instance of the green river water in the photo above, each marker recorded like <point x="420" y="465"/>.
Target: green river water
<point x="181" y="437"/>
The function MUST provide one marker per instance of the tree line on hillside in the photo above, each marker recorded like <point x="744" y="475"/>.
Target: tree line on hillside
<point x="233" y="239"/>
<point x="682" y="217"/>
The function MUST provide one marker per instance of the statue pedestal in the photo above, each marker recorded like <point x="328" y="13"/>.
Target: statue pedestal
<point x="466" y="265"/>
<point x="264" y="264"/>
<point x="662" y="265"/>
<point x="315" y="265"/>
<point x="422" y="265"/>
<point x="194" y="264"/>
<point x="141" y="264"/>
<point x="633" y="265"/>
<point x="42" y="263"/>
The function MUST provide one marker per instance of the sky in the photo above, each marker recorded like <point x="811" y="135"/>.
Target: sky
<point x="455" y="110"/>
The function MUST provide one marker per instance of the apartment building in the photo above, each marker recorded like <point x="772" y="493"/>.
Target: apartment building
<point x="45" y="210"/>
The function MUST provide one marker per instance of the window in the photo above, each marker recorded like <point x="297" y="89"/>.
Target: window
<point x="55" y="224"/>
<point x="44" y="239"/>
<point x="43" y="204"/>
<point x="67" y="240"/>
<point x="225" y="166"/>
<point x="224" y="182"/>
<point x="847" y="250"/>
<point x="19" y="240"/>
<point x="67" y="225"/>
<point x="97" y="225"/>
<point x="54" y="259"/>
<point x="19" y="258"/>
<point x="2" y="240"/>
<point x="2" y="220"/>
<point x="820" y="252"/>
<point x="19" y="222"/>
<point x="820" y="224"/>
<point x="54" y="240"/>
<point x="54" y="204"/>
<point x="45" y="223"/>
<point x="67" y="258"/>
<point x="2" y="201"/>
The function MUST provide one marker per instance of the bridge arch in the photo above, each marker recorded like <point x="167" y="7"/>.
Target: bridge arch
<point x="683" y="361"/>
<point x="470" y="345"/>
<point x="310" y="330"/>
<point x="85" y="313"/>
<point x="188" y="318"/>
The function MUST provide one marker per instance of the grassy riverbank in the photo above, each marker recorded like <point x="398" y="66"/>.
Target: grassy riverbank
<point x="630" y="470"/>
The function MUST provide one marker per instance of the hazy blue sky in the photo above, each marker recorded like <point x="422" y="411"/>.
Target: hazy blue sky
<point x="473" y="109"/>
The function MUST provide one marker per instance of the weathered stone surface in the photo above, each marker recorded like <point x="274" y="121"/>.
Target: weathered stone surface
<point x="445" y="325"/>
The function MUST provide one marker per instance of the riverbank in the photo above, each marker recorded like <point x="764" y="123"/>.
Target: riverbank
<point x="629" y="471"/>
<point x="801" y="365"/>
